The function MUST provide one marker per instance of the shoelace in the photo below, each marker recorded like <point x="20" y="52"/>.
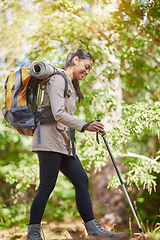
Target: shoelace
<point x="100" y="225"/>
<point x="38" y="232"/>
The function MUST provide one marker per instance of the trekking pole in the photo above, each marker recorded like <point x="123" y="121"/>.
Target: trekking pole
<point x="122" y="183"/>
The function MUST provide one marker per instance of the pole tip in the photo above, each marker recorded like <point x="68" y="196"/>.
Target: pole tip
<point x="142" y="233"/>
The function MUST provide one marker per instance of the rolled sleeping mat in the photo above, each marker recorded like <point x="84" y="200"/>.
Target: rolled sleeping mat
<point x="41" y="70"/>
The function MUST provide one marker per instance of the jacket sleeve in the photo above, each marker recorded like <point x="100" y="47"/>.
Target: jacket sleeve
<point x="55" y="88"/>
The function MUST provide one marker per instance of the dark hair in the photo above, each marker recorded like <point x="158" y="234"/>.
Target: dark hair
<point x="82" y="54"/>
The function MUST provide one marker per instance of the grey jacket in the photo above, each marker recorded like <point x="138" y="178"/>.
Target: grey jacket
<point x="55" y="136"/>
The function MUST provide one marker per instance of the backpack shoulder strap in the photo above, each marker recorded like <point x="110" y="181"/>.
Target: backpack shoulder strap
<point x="66" y="82"/>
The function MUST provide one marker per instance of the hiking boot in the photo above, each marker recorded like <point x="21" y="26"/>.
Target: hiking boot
<point x="34" y="232"/>
<point x="96" y="228"/>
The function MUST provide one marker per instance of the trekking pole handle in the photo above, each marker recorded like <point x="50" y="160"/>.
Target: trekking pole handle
<point x="102" y="133"/>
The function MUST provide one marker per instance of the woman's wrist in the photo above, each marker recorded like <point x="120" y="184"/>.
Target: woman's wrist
<point x="85" y="126"/>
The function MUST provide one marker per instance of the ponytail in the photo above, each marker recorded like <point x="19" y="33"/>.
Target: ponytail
<point x="69" y="61"/>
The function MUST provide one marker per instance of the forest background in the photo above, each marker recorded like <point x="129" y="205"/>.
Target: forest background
<point x="122" y="90"/>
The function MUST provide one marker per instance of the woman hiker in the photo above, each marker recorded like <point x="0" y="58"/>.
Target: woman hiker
<point x="55" y="153"/>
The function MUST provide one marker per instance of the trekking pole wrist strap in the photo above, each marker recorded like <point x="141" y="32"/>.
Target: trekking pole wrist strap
<point x="84" y="127"/>
<point x="102" y="133"/>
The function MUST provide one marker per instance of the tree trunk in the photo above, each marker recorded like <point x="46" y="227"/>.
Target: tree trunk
<point x="108" y="204"/>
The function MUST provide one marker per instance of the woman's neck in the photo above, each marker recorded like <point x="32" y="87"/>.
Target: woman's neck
<point x="69" y="70"/>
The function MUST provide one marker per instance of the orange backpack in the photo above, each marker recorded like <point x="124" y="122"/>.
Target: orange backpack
<point x="21" y="107"/>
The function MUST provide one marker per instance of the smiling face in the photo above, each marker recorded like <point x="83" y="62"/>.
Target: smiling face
<point x="81" y="67"/>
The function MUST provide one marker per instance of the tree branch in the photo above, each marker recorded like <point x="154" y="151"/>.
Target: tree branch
<point x="129" y="154"/>
<point x="149" y="55"/>
<point x="155" y="41"/>
<point x="92" y="28"/>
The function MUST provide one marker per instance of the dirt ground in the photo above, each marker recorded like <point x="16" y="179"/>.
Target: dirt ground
<point x="59" y="231"/>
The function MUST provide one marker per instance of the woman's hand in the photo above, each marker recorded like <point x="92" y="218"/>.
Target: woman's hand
<point x="95" y="127"/>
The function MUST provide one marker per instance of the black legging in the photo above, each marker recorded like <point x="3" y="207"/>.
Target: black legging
<point x="50" y="163"/>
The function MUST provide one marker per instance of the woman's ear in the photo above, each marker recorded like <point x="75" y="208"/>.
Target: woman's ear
<point x="75" y="60"/>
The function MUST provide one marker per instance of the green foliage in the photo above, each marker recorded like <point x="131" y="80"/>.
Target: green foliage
<point x="13" y="215"/>
<point x="137" y="119"/>
<point x="18" y="165"/>
<point x="139" y="174"/>
<point x="153" y="231"/>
